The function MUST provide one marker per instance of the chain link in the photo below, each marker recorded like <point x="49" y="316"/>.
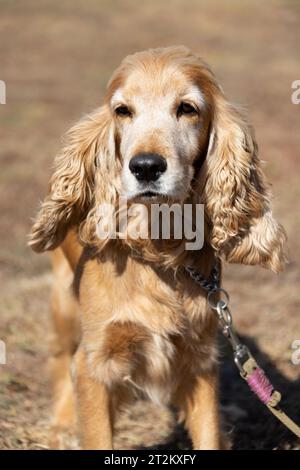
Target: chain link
<point x="206" y="284"/>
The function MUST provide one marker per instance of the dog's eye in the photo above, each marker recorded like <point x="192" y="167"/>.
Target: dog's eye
<point x="123" y="111"/>
<point x="185" y="108"/>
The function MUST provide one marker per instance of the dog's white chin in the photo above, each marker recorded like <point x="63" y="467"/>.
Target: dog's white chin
<point x="152" y="195"/>
<point x="153" y="198"/>
<point x="148" y="197"/>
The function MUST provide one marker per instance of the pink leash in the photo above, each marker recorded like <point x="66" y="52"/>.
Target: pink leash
<point x="260" y="385"/>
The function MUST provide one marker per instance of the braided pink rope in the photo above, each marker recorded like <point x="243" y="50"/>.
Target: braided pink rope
<point x="260" y="385"/>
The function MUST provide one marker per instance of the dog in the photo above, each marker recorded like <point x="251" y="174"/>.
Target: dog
<point x="126" y="316"/>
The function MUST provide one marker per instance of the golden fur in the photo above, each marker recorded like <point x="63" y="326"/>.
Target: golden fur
<point x="145" y="326"/>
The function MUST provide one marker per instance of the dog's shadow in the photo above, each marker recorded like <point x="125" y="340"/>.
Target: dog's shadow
<point x="249" y="424"/>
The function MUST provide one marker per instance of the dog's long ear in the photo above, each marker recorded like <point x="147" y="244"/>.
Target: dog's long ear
<point x="237" y="199"/>
<point x="71" y="190"/>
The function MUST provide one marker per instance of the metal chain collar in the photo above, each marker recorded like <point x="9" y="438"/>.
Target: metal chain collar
<point x="206" y="284"/>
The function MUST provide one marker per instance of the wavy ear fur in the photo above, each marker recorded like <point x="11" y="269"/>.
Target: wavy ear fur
<point x="242" y="227"/>
<point x="71" y="190"/>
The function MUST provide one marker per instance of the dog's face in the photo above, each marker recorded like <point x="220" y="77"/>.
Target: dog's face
<point x="166" y="131"/>
<point x="161" y="122"/>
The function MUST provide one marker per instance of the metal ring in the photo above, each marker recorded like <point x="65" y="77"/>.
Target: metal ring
<point x="214" y="305"/>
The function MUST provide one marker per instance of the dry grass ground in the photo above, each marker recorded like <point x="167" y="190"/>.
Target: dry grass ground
<point x="55" y="59"/>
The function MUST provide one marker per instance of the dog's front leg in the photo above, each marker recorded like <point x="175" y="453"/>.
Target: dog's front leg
<point x="93" y="405"/>
<point x="202" y="413"/>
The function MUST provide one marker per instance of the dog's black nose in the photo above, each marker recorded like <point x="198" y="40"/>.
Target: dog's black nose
<point x="147" y="166"/>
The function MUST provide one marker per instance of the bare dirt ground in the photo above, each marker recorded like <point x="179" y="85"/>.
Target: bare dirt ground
<point x="55" y="59"/>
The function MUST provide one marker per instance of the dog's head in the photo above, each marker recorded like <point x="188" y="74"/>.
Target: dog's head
<point x="165" y="133"/>
<point x="161" y="116"/>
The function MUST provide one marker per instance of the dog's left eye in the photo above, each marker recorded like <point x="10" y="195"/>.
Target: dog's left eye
<point x="185" y="108"/>
<point x="123" y="111"/>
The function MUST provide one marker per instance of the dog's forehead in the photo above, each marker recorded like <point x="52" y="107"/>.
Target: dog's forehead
<point x="150" y="85"/>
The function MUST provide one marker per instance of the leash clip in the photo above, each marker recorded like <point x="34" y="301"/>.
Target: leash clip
<point x="241" y="353"/>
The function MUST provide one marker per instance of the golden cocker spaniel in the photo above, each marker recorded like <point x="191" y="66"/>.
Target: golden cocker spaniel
<point x="130" y="320"/>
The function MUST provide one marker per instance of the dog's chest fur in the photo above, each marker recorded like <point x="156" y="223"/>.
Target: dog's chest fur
<point x="144" y="329"/>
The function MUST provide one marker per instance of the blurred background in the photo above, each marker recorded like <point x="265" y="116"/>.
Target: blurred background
<point x="55" y="58"/>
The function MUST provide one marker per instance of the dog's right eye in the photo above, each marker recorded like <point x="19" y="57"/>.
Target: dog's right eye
<point x="185" y="108"/>
<point x="123" y="111"/>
